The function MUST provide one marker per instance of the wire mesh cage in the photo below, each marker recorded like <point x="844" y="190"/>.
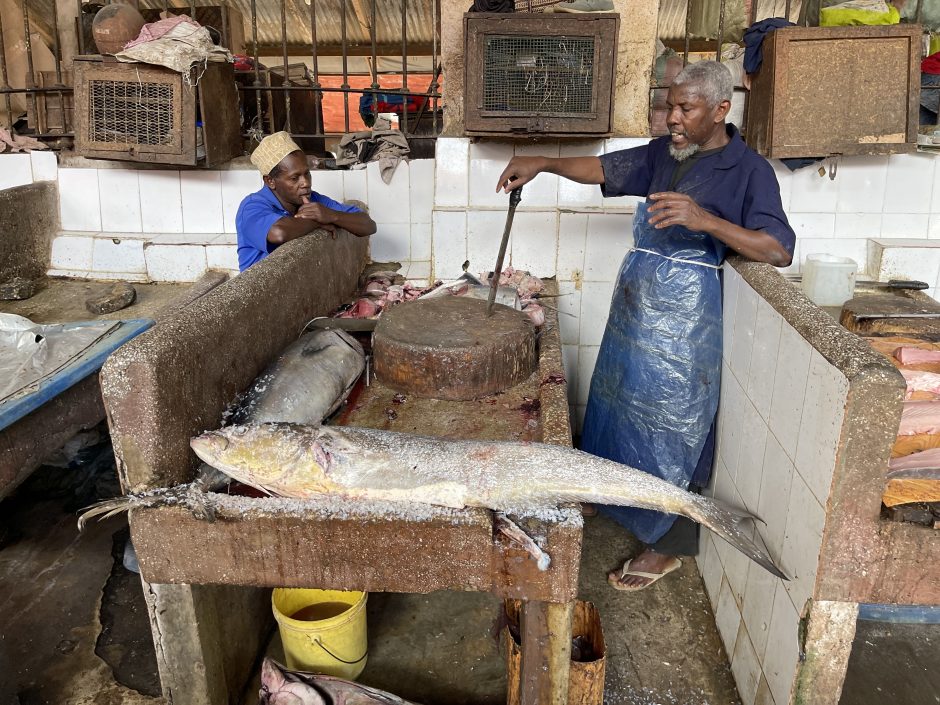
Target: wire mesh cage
<point x="128" y="112"/>
<point x="539" y="74"/>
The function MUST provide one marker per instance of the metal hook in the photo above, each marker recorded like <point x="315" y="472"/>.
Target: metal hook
<point x="833" y="167"/>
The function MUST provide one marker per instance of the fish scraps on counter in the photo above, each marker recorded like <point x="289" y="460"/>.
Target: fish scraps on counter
<point x="280" y="686"/>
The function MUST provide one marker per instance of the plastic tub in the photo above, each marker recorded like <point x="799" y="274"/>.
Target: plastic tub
<point x="829" y="280"/>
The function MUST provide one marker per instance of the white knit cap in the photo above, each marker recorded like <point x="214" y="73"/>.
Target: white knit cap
<point x="272" y="150"/>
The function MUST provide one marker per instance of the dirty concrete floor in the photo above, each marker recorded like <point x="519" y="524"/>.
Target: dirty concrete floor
<point x="74" y="630"/>
<point x="63" y="300"/>
<point x="75" y="633"/>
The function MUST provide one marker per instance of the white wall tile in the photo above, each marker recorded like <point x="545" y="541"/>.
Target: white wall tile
<point x="572" y="240"/>
<point x="535" y="242"/>
<point x="587" y="358"/>
<point x="816" y="225"/>
<point x="775" y="495"/>
<point x="355" y="188"/>
<point x="858" y="225"/>
<point x="569" y="359"/>
<point x="731" y="403"/>
<point x="823" y="413"/>
<point x="543" y="190"/>
<point x="451" y="171"/>
<point x="391" y="202"/>
<point x="763" y="368"/>
<point x="487" y="161"/>
<point x="45" y="165"/>
<point x="785" y="180"/>
<point x="909" y="184"/>
<point x="175" y="263"/>
<point x="390" y="243"/>
<point x="747" y="476"/>
<point x="15" y="170"/>
<point x="933" y="226"/>
<point x="569" y="312"/>
<point x="422" y="190"/>
<point x="742" y="341"/>
<point x="813" y="193"/>
<point x="120" y="200"/>
<point x="421" y="241"/>
<point x="484" y="230"/>
<point x="118" y="255"/>
<point x="79" y="207"/>
<point x="161" y="203"/>
<point x="764" y="696"/>
<point x="222" y="257"/>
<point x="905" y="225"/>
<point x="186" y="238"/>
<point x="201" y="193"/>
<point x="805" y="521"/>
<point x="758" y="605"/>
<point x="238" y="183"/>
<point x="572" y="194"/>
<point x="789" y="387"/>
<point x="727" y="617"/>
<point x="782" y="654"/>
<point x="72" y="253"/>
<point x="615" y="144"/>
<point x="225" y="239"/>
<point x="746" y="667"/>
<point x="734" y="562"/>
<point x="419" y="272"/>
<point x="450" y="243"/>
<point x="595" y="307"/>
<point x="861" y="184"/>
<point x="709" y="566"/>
<point x="609" y="236"/>
<point x="730" y="283"/>
<point x="329" y="182"/>
<point x="935" y="196"/>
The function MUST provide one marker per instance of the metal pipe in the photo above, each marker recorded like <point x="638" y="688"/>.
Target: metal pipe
<point x="345" y="66"/>
<point x="688" y="31"/>
<point x="30" y="74"/>
<point x="721" y="30"/>
<point x="4" y="85"/>
<point x="318" y="92"/>
<point x="404" y="66"/>
<point x="254" y="48"/>
<point x="375" y="68"/>
<point x="286" y="69"/>
<point x="435" y="62"/>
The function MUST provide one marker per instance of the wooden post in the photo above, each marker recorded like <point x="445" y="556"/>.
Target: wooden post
<point x="69" y="26"/>
<point x="546" y="652"/>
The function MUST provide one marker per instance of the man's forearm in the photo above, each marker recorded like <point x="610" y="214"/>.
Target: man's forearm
<point x="357" y="223"/>
<point x="287" y="229"/>
<point x="756" y="245"/>
<point x="584" y="170"/>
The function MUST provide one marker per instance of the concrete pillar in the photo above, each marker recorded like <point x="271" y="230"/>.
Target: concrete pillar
<point x="636" y="50"/>
<point x="452" y="63"/>
<point x="830" y="630"/>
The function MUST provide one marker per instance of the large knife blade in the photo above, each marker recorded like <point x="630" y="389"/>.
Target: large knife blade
<point x="514" y="197"/>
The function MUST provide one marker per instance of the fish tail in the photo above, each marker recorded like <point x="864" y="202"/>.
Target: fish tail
<point x="729" y="523"/>
<point x="105" y="508"/>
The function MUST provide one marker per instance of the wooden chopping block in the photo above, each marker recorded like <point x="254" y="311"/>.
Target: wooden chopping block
<point x="447" y="348"/>
<point x="885" y="313"/>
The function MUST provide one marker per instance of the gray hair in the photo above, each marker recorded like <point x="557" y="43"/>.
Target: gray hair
<point x="710" y="80"/>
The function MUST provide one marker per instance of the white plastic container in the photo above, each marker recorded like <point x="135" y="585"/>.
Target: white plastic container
<point x="829" y="280"/>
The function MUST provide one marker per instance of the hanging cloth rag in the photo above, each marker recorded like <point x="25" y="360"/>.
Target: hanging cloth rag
<point x="754" y="41"/>
<point x="654" y="392"/>
<point x="387" y="147"/>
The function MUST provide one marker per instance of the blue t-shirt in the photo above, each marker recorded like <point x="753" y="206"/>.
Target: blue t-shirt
<point x="258" y="212"/>
<point x="736" y="184"/>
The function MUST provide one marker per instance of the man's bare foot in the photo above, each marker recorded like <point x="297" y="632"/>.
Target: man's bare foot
<point x="656" y="565"/>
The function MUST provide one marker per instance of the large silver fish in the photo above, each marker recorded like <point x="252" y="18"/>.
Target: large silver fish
<point x="280" y="686"/>
<point x="290" y="460"/>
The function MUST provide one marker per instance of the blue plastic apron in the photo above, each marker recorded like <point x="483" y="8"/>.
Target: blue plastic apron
<point x="654" y="392"/>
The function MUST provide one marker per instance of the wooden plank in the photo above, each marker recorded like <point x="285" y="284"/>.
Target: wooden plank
<point x="221" y="121"/>
<point x="546" y="653"/>
<point x="908" y="490"/>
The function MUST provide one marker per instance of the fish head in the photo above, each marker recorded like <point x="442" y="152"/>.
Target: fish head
<point x="281" y="459"/>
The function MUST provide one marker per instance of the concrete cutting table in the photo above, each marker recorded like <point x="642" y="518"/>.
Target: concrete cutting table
<point x="203" y="579"/>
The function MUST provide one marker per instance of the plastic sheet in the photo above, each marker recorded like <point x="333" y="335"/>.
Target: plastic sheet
<point x="654" y="393"/>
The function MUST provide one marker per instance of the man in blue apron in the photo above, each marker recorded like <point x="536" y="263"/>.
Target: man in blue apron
<point x="654" y="393"/>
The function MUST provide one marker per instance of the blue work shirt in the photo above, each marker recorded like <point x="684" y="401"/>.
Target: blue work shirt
<point x="736" y="184"/>
<point x="258" y="212"/>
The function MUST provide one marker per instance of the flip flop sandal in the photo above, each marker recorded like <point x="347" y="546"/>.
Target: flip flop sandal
<point x="616" y="584"/>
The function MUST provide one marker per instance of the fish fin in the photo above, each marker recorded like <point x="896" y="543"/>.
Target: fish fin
<point x="728" y="523"/>
<point x="517" y="535"/>
<point x="104" y="509"/>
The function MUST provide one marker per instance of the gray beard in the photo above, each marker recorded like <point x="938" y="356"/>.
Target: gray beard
<point x="680" y="155"/>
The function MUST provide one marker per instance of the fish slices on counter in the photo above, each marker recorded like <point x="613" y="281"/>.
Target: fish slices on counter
<point x="918" y="381"/>
<point x="909" y="355"/>
<point x="919" y="417"/>
<point x="924" y="460"/>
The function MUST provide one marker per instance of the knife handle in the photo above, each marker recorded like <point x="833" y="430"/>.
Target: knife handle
<point x="514" y="197"/>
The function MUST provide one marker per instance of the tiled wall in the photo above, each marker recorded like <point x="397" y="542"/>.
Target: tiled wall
<point x="22" y="169"/>
<point x="168" y="225"/>
<point x="780" y="417"/>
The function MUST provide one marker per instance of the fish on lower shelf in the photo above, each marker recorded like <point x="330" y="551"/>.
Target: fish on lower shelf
<point x="297" y="461"/>
<point x="279" y="686"/>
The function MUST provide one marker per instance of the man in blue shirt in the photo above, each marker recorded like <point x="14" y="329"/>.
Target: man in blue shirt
<point x="286" y="208"/>
<point x="654" y="391"/>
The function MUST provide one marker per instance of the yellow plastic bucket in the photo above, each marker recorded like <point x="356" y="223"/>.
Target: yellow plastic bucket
<point x="323" y="631"/>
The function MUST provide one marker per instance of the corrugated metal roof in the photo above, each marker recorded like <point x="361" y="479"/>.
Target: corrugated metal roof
<point x="672" y="15"/>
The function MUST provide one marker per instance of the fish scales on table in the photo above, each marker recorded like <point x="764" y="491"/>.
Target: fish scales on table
<point x="511" y="477"/>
